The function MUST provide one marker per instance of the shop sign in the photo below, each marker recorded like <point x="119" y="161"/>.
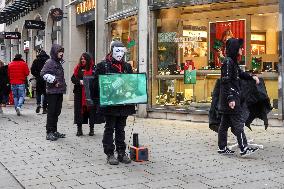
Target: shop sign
<point x="171" y="37"/>
<point x="175" y="3"/>
<point x="11" y="35"/>
<point x="26" y="46"/>
<point x="34" y="24"/>
<point x="85" y="6"/>
<point x="56" y="14"/>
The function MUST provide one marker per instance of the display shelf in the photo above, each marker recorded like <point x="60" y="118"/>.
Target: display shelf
<point x="198" y="73"/>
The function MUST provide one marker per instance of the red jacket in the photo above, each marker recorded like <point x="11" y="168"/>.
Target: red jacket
<point x="18" y="72"/>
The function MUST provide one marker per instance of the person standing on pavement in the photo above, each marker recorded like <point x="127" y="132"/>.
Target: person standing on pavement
<point x="5" y="87"/>
<point x="53" y="73"/>
<point x="115" y="116"/>
<point x="82" y="112"/>
<point x="18" y="72"/>
<point x="36" y="68"/>
<point x="230" y="103"/>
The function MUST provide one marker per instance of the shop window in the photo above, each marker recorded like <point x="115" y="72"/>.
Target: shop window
<point x="115" y="7"/>
<point x="126" y="31"/>
<point x="191" y="39"/>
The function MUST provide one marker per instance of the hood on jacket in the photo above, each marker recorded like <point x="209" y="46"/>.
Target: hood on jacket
<point x="232" y="48"/>
<point x="42" y="55"/>
<point x="55" y="49"/>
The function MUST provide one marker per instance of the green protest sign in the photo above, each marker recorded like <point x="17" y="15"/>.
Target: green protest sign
<point x="190" y="77"/>
<point x="118" y="89"/>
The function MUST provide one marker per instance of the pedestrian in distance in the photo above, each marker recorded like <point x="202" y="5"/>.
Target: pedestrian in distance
<point x="83" y="113"/>
<point x="115" y="116"/>
<point x="5" y="87"/>
<point x="231" y="102"/>
<point x="18" y="72"/>
<point x="36" y="68"/>
<point x="53" y="73"/>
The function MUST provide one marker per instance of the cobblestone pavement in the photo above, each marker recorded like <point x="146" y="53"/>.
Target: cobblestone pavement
<point x="182" y="155"/>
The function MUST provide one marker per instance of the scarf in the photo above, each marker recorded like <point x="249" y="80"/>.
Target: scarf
<point x="116" y="65"/>
<point x="85" y="72"/>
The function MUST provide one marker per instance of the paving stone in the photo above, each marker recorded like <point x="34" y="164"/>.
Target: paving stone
<point x="257" y="184"/>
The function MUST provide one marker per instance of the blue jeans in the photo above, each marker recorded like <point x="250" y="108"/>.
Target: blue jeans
<point x="18" y="94"/>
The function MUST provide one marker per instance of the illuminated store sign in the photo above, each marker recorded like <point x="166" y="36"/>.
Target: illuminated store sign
<point x="85" y="6"/>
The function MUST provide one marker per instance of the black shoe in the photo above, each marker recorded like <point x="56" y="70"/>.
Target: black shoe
<point x="248" y="151"/>
<point x="123" y="158"/>
<point x="79" y="131"/>
<point x="44" y="111"/>
<point x="59" y="135"/>
<point x="38" y="109"/>
<point x="51" y="137"/>
<point x="112" y="160"/>
<point x="91" y="133"/>
<point x="226" y="151"/>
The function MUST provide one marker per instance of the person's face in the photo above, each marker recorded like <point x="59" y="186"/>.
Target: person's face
<point x="241" y="51"/>
<point x="60" y="55"/>
<point x="118" y="53"/>
<point x="83" y="60"/>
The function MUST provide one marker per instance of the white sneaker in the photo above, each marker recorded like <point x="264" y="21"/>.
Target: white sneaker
<point x="18" y="110"/>
<point x="248" y="151"/>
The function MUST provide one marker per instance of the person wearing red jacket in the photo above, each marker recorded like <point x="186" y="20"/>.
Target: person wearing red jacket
<point x="18" y="71"/>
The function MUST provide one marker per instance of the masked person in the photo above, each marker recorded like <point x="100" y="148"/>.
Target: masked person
<point x="53" y="73"/>
<point x="230" y="103"/>
<point x="115" y="116"/>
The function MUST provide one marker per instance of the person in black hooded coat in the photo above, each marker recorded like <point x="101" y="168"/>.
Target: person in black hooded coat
<point x="115" y="116"/>
<point x="231" y="103"/>
<point x="36" y="68"/>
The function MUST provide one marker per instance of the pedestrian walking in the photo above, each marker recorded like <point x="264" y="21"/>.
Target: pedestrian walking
<point x="83" y="113"/>
<point x="18" y="71"/>
<point x="230" y="105"/>
<point x="53" y="73"/>
<point x="5" y="87"/>
<point x="115" y="116"/>
<point x="41" y="99"/>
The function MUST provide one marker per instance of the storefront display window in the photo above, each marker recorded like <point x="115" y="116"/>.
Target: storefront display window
<point x="191" y="40"/>
<point x="115" y="7"/>
<point x="126" y="31"/>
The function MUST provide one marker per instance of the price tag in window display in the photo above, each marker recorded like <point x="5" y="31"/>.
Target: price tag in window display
<point x="190" y="77"/>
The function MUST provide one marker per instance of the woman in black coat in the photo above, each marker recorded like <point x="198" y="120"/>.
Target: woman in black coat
<point x="82" y="112"/>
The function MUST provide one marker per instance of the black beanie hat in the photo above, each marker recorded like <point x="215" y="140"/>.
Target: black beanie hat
<point x="116" y="44"/>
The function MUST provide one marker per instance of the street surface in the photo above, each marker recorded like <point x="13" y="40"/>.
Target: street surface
<point x="182" y="155"/>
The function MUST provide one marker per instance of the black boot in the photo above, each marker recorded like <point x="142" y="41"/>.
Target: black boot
<point x="44" y="111"/>
<point x="79" y="130"/>
<point x="112" y="160"/>
<point x="91" y="133"/>
<point x="38" y="108"/>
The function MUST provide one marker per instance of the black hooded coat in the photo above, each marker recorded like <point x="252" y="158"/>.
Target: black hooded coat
<point x="5" y="87"/>
<point x="36" y="68"/>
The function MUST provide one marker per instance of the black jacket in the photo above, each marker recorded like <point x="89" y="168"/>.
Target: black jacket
<point x="4" y="81"/>
<point x="230" y="86"/>
<point x="256" y="102"/>
<point x="106" y="67"/>
<point x="82" y="117"/>
<point x="36" y="68"/>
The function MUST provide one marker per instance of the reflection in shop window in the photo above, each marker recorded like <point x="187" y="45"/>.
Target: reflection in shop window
<point x="118" y="6"/>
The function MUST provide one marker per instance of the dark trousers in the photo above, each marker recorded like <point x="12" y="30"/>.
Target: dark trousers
<point x="237" y="128"/>
<point x="114" y="124"/>
<point x="40" y="95"/>
<point x="53" y="111"/>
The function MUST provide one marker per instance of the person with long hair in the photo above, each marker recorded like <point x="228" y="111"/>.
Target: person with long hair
<point x="82" y="112"/>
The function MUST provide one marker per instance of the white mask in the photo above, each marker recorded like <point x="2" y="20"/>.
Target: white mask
<point x="118" y="53"/>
